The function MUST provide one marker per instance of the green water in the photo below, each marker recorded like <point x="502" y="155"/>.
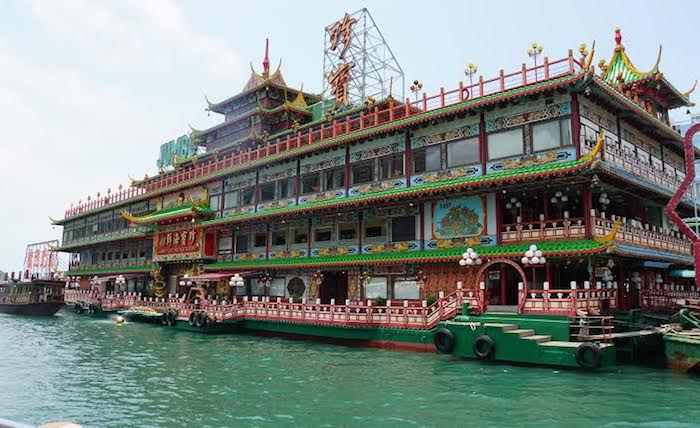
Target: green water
<point x="100" y="374"/>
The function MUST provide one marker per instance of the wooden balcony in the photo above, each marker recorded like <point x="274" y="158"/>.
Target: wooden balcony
<point x="642" y="235"/>
<point x="544" y="230"/>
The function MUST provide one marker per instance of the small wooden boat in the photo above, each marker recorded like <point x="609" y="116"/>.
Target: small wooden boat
<point x="38" y="297"/>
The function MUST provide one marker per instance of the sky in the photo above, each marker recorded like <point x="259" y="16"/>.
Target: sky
<point x="89" y="89"/>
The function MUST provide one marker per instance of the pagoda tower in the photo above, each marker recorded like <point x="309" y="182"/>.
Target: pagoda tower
<point x="265" y="106"/>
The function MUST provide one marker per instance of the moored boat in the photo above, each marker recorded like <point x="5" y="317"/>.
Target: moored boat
<point x="37" y="297"/>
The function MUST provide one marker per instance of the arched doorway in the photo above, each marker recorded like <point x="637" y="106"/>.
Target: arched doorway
<point x="501" y="277"/>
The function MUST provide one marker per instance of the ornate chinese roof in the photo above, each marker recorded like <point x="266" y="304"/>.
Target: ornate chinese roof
<point x="170" y="215"/>
<point x="621" y="73"/>
<point x="550" y="248"/>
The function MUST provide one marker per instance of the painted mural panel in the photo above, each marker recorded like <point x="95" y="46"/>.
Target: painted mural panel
<point x="456" y="218"/>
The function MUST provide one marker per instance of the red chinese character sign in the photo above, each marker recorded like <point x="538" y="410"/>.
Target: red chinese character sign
<point x="39" y="260"/>
<point x="358" y="63"/>
<point x="181" y="244"/>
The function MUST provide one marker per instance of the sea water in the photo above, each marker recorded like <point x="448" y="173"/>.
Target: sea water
<point x="100" y="374"/>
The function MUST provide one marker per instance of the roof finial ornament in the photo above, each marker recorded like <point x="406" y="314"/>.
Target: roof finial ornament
<point x="618" y="36"/>
<point x="266" y="60"/>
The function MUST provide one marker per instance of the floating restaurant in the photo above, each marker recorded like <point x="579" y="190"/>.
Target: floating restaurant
<point x="485" y="219"/>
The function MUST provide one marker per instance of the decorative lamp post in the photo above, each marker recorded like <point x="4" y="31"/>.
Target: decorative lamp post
<point x="470" y="258"/>
<point x="658" y="280"/>
<point x="235" y="282"/>
<point x="636" y="280"/>
<point x="469" y="71"/>
<point x="604" y="201"/>
<point x="120" y="282"/>
<point x="94" y="282"/>
<point x="533" y="52"/>
<point x="533" y="257"/>
<point x="515" y="206"/>
<point x="416" y="88"/>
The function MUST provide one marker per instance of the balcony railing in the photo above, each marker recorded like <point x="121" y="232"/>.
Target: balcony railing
<point x="544" y="230"/>
<point x="668" y="298"/>
<point x="363" y="120"/>
<point x="642" y="235"/>
<point x="645" y="171"/>
<point x="569" y="301"/>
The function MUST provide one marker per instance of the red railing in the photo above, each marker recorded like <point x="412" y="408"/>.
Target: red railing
<point x="665" y="300"/>
<point x="363" y="120"/>
<point x="642" y="235"/>
<point x="544" y="230"/>
<point x="570" y="301"/>
<point x="365" y="314"/>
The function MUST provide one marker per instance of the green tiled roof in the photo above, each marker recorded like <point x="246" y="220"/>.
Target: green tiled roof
<point x="173" y="212"/>
<point x="516" y="173"/>
<point x="99" y="240"/>
<point x="551" y="248"/>
<point x="115" y="270"/>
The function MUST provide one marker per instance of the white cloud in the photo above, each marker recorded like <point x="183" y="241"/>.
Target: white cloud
<point x="154" y="33"/>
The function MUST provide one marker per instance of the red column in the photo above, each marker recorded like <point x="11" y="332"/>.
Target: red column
<point x="407" y="159"/>
<point x="499" y="217"/>
<point x="575" y="124"/>
<point x="587" y="206"/>
<point x="482" y="142"/>
<point x="504" y="294"/>
<point x="347" y="170"/>
<point x="421" y="218"/>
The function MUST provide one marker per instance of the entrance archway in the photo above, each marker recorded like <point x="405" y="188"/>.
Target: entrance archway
<point x="505" y="296"/>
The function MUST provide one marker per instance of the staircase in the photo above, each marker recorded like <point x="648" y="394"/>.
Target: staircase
<point x="541" y="340"/>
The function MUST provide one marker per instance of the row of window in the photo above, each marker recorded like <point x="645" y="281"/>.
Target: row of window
<point x="386" y="287"/>
<point x="394" y="229"/>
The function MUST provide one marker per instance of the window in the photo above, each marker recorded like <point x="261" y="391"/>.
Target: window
<point x="347" y="231"/>
<point x="375" y="229"/>
<point x="242" y="243"/>
<point x="322" y="234"/>
<point x="260" y="240"/>
<point x="406" y="289"/>
<point x="363" y="172"/>
<point x="403" y="228"/>
<point x="552" y="134"/>
<point x="311" y="183"/>
<point x="335" y="178"/>
<point x="391" y="166"/>
<point x="301" y="236"/>
<point x="277" y="287"/>
<point x="225" y="245"/>
<point x="256" y="288"/>
<point x="376" y="287"/>
<point x="215" y="202"/>
<point x="231" y="200"/>
<point x="247" y="195"/>
<point x="279" y="238"/>
<point x="463" y="152"/>
<point x="286" y="188"/>
<point x="505" y="144"/>
<point x="266" y="192"/>
<point x="427" y="159"/>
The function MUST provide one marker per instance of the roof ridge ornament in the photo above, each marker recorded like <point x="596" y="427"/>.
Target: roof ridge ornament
<point x="690" y="91"/>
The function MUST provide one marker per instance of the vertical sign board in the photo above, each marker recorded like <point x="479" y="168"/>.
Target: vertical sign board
<point x="39" y="260"/>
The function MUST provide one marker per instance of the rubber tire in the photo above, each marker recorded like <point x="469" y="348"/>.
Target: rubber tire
<point x="78" y="308"/>
<point x="581" y="359"/>
<point x="202" y="319"/>
<point x="480" y="342"/>
<point x="171" y="318"/>
<point x="193" y="318"/>
<point x="164" y="319"/>
<point x="444" y="341"/>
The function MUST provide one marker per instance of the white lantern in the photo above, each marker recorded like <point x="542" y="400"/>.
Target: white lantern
<point x="465" y="255"/>
<point x="478" y="261"/>
<point x="542" y="260"/>
<point x="473" y="255"/>
<point x="533" y="247"/>
<point x="469" y="262"/>
<point x="462" y="262"/>
<point x="535" y="260"/>
<point x="538" y="253"/>
<point x="529" y="254"/>
<point x="525" y="260"/>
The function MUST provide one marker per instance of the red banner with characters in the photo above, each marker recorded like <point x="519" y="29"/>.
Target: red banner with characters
<point x="178" y="244"/>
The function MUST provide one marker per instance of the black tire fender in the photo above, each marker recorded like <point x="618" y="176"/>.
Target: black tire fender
<point x="193" y="318"/>
<point x="444" y="341"/>
<point x="589" y="356"/>
<point x="484" y="347"/>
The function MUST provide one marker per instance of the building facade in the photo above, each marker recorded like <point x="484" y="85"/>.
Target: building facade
<point x="381" y="200"/>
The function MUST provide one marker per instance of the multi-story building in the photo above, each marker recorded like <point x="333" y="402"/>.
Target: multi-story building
<point x="381" y="200"/>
